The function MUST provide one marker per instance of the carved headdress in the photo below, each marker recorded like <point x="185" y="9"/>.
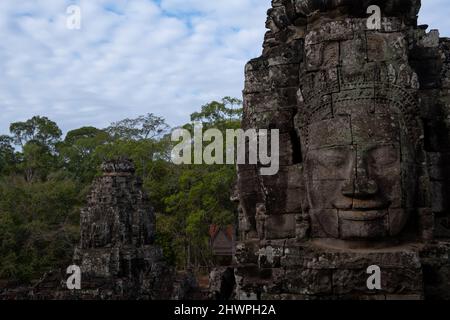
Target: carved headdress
<point x="389" y="7"/>
<point x="317" y="104"/>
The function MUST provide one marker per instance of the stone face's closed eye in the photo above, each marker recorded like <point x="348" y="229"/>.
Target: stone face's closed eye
<point x="336" y="157"/>
<point x="332" y="156"/>
<point x="383" y="156"/>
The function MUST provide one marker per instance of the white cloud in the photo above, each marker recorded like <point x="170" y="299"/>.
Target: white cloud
<point x="131" y="56"/>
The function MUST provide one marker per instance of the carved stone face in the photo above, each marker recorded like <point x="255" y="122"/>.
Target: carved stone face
<point x="359" y="173"/>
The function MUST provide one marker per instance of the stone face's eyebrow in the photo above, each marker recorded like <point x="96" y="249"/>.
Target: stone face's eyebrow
<point x="375" y="146"/>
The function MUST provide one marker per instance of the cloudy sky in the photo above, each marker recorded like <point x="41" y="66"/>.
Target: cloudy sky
<point x="131" y="57"/>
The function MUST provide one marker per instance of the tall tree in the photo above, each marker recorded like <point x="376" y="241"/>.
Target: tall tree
<point x="78" y="152"/>
<point x="148" y="126"/>
<point x="7" y="158"/>
<point x="219" y="113"/>
<point x="38" y="137"/>
<point x="38" y="129"/>
<point x="201" y="193"/>
<point x="37" y="161"/>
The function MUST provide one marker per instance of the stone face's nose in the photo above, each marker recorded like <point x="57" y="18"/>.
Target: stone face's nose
<point x="365" y="188"/>
<point x="348" y="189"/>
<point x="360" y="188"/>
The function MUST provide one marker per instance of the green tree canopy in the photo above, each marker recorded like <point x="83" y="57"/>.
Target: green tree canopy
<point x="216" y="113"/>
<point x="44" y="184"/>
<point x="7" y="157"/>
<point x="38" y="129"/>
<point x="148" y="126"/>
<point x="78" y="152"/>
<point x="201" y="193"/>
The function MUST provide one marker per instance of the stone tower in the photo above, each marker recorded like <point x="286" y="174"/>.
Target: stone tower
<point x="117" y="255"/>
<point x="362" y="112"/>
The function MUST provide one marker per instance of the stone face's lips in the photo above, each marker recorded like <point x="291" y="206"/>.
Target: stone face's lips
<point x="362" y="215"/>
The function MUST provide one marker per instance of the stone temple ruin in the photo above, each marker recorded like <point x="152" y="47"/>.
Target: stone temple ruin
<point x="363" y="116"/>
<point x="117" y="251"/>
<point x="364" y="121"/>
<point x="117" y="254"/>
